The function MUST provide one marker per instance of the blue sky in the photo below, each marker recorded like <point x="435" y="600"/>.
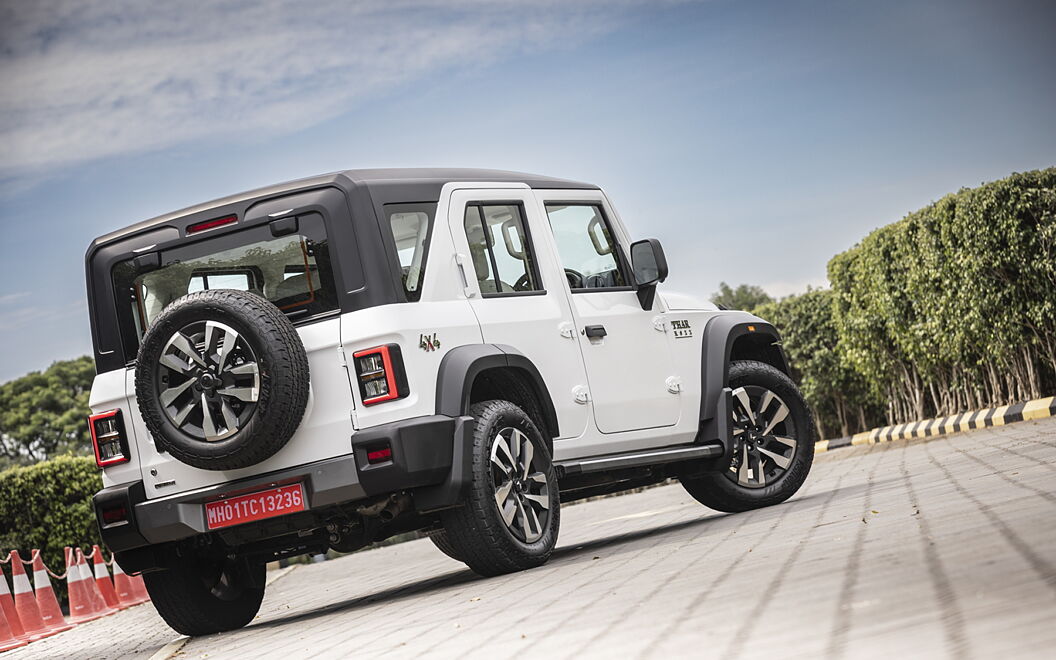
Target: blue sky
<point x="755" y="139"/>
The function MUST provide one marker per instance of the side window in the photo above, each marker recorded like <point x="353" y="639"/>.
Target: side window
<point x="410" y="225"/>
<point x="501" y="249"/>
<point x="585" y="243"/>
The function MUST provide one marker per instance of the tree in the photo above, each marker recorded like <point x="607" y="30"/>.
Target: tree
<point x="953" y="307"/>
<point x="840" y="398"/>
<point x="746" y="297"/>
<point x="43" y="414"/>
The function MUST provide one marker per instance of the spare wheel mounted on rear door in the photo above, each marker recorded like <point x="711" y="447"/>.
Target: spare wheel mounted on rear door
<point x="222" y="379"/>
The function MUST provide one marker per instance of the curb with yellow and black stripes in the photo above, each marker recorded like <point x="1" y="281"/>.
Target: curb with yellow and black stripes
<point x="927" y="428"/>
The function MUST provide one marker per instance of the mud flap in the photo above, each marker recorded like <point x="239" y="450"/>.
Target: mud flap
<point x="720" y="427"/>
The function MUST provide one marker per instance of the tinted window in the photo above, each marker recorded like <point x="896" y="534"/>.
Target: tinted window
<point x="585" y="243"/>
<point x="501" y="249"/>
<point x="292" y="271"/>
<point x="411" y="226"/>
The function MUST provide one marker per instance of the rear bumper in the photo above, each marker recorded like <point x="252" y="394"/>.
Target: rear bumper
<point x="428" y="459"/>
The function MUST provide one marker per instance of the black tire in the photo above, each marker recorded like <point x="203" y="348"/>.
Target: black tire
<point x="201" y="597"/>
<point x="440" y="540"/>
<point x="476" y="531"/>
<point x="720" y="490"/>
<point x="278" y="377"/>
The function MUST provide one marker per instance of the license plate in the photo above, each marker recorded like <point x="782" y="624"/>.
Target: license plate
<point x="255" y="506"/>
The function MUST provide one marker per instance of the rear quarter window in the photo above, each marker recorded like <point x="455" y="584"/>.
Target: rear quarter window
<point x="410" y="227"/>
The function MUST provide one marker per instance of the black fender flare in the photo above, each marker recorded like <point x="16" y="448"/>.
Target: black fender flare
<point x="454" y="387"/>
<point x="719" y="336"/>
<point x="460" y="367"/>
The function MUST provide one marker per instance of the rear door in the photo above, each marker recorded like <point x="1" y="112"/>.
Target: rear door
<point x="625" y="348"/>
<point x="292" y="269"/>
<point x="517" y="291"/>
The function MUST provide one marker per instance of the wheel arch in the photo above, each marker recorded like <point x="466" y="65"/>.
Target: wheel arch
<point x="463" y="368"/>
<point x="729" y="337"/>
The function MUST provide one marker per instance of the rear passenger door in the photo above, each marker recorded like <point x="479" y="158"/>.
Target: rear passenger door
<point x="516" y="290"/>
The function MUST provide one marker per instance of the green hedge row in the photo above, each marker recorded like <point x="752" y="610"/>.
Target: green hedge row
<point x="49" y="506"/>
<point x="952" y="308"/>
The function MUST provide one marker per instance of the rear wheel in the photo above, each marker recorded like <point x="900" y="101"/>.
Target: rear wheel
<point x="773" y="443"/>
<point x="512" y="513"/>
<point x="440" y="540"/>
<point x="202" y="596"/>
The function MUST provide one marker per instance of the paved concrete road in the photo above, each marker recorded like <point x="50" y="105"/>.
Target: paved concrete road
<point x="945" y="548"/>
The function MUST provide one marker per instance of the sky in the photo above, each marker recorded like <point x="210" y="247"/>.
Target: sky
<point x="754" y="139"/>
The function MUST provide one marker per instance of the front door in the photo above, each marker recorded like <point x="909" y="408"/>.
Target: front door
<point x="625" y="349"/>
<point x="517" y="293"/>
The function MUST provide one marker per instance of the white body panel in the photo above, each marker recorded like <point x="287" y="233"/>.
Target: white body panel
<point x="452" y="321"/>
<point x="675" y="300"/>
<point x="108" y="393"/>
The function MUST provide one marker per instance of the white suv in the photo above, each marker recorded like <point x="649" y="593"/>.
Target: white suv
<point x="331" y="361"/>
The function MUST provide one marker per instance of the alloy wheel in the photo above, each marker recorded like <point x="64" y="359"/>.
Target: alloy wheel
<point x="764" y="437"/>
<point x="522" y="493"/>
<point x="209" y="381"/>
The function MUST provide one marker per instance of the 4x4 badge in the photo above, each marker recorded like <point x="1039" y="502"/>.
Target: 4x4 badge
<point x="427" y="343"/>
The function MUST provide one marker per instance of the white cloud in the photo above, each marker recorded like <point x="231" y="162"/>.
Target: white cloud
<point x="101" y="78"/>
<point x="8" y="298"/>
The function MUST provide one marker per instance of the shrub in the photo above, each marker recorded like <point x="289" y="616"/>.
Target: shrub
<point x="49" y="506"/>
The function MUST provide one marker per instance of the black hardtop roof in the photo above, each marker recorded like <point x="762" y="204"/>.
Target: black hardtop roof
<point x="418" y="181"/>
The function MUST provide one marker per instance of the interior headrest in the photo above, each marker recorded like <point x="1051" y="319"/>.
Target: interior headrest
<point x="297" y="285"/>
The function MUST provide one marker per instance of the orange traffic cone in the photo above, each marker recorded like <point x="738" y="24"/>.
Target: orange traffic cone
<point x="102" y="579"/>
<point x="8" y="640"/>
<point x="98" y="604"/>
<point x="123" y="587"/>
<point x="46" y="600"/>
<point x="26" y="604"/>
<point x="7" y="606"/>
<point x="81" y="608"/>
<point x="140" y="589"/>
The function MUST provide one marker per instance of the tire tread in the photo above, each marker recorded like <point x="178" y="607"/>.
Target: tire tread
<point x="716" y="491"/>
<point x="474" y="530"/>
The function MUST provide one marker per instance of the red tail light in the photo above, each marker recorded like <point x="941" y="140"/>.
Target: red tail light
<point x="108" y="438"/>
<point x="212" y="224"/>
<point x="379" y="455"/>
<point x="381" y="374"/>
<point x="115" y="514"/>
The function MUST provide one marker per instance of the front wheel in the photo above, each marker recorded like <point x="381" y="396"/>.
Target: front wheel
<point x="773" y="433"/>
<point x="202" y="596"/>
<point x="511" y="516"/>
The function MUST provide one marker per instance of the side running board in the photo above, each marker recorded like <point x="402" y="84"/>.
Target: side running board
<point x="638" y="459"/>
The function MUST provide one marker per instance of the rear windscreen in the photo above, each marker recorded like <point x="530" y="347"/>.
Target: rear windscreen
<point x="292" y="271"/>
